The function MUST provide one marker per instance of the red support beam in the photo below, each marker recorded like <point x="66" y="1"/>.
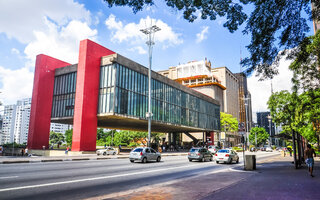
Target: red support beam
<point x="87" y="91"/>
<point x="41" y="104"/>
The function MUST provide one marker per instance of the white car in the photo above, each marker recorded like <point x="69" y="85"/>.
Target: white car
<point x="213" y="149"/>
<point x="269" y="149"/>
<point x="107" y="151"/>
<point x="226" y="156"/>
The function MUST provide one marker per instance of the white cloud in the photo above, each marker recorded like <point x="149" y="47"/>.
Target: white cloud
<point x="61" y="43"/>
<point x="261" y="90"/>
<point x="131" y="33"/>
<point x="54" y="28"/>
<point x="16" y="84"/>
<point x="203" y="34"/>
<point x="138" y="49"/>
<point x="18" y="18"/>
<point x="15" y="51"/>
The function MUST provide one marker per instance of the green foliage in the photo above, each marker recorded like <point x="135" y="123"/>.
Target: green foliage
<point x="228" y="122"/>
<point x="126" y="138"/>
<point x="262" y="136"/>
<point x="68" y="135"/>
<point x="56" y="138"/>
<point x="15" y="145"/>
<point x="272" y="25"/>
<point x="306" y="65"/>
<point x="295" y="112"/>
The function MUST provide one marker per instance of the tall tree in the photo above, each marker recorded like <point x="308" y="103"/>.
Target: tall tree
<point x="260" y="134"/>
<point x="68" y="135"/>
<point x="56" y="138"/>
<point x="273" y="25"/>
<point x="228" y="122"/>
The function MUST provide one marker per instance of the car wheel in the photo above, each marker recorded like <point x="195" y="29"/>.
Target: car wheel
<point x="104" y="153"/>
<point x="230" y="162"/>
<point x="211" y="159"/>
<point x="144" y="160"/>
<point x="190" y="160"/>
<point x="132" y="161"/>
<point x="237" y="161"/>
<point x="217" y="162"/>
<point x="202" y="160"/>
<point x="114" y="153"/>
<point x="158" y="159"/>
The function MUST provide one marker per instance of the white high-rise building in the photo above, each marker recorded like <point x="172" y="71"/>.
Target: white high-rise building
<point x="15" y="125"/>
<point x="60" y="128"/>
<point x="8" y="124"/>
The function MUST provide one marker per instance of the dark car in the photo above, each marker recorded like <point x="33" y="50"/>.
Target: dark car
<point x="200" y="154"/>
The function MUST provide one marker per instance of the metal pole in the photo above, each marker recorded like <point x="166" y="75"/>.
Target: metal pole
<point x="150" y="32"/>
<point x="269" y="131"/>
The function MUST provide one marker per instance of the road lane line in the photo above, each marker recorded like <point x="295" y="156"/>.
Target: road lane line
<point x="6" y="177"/>
<point x="91" y="179"/>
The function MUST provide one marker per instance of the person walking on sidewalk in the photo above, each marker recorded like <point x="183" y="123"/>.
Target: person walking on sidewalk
<point x="309" y="155"/>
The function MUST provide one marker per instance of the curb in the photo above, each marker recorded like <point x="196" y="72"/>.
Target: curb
<point x="75" y="159"/>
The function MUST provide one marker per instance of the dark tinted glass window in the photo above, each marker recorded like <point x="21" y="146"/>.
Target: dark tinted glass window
<point x="194" y="150"/>
<point x="138" y="150"/>
<point x="223" y="151"/>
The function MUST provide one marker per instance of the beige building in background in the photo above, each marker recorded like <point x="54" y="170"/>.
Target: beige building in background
<point x="218" y="83"/>
<point x="231" y="94"/>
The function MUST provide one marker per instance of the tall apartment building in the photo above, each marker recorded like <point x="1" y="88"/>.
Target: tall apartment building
<point x="245" y="105"/>
<point x="60" y="128"/>
<point x="15" y="123"/>
<point x="263" y="121"/>
<point x="231" y="94"/>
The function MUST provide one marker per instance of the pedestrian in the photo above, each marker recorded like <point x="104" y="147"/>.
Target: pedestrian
<point x="290" y="151"/>
<point x="22" y="152"/>
<point x="66" y="152"/>
<point x="1" y="150"/>
<point x="26" y="152"/>
<point x="310" y="161"/>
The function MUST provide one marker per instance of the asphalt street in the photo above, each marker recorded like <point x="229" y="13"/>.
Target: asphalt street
<point x="91" y="178"/>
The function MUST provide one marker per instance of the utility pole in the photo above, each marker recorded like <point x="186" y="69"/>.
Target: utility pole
<point x="150" y="34"/>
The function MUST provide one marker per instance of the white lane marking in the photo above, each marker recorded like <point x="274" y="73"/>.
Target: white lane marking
<point x="6" y="177"/>
<point x="91" y="179"/>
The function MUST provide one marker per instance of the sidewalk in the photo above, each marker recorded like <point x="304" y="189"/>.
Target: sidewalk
<point x="19" y="159"/>
<point x="275" y="178"/>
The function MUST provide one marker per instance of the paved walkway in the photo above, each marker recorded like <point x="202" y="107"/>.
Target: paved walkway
<point x="275" y="178"/>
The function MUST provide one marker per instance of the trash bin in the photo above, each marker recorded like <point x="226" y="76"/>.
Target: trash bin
<point x="250" y="163"/>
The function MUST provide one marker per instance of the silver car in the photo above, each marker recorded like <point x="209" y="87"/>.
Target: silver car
<point x="227" y="156"/>
<point x="144" y="154"/>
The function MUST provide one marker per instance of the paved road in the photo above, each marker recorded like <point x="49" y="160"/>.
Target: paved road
<point x="84" y="179"/>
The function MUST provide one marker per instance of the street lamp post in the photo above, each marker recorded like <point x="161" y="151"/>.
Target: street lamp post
<point x="269" y="119"/>
<point x="150" y="34"/>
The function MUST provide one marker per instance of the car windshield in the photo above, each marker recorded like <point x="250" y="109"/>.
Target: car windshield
<point x="223" y="151"/>
<point x="194" y="150"/>
<point x="138" y="150"/>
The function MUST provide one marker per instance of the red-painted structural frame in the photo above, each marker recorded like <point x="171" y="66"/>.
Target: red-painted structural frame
<point x="41" y="103"/>
<point x="87" y="92"/>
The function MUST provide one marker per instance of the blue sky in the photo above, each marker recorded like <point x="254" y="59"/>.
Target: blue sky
<point x="55" y="28"/>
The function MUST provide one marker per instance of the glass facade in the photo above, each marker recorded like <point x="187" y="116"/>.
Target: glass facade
<point x="125" y="91"/>
<point x="64" y="95"/>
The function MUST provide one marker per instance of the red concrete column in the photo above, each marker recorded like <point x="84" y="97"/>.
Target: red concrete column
<point x="41" y="103"/>
<point x="87" y="91"/>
